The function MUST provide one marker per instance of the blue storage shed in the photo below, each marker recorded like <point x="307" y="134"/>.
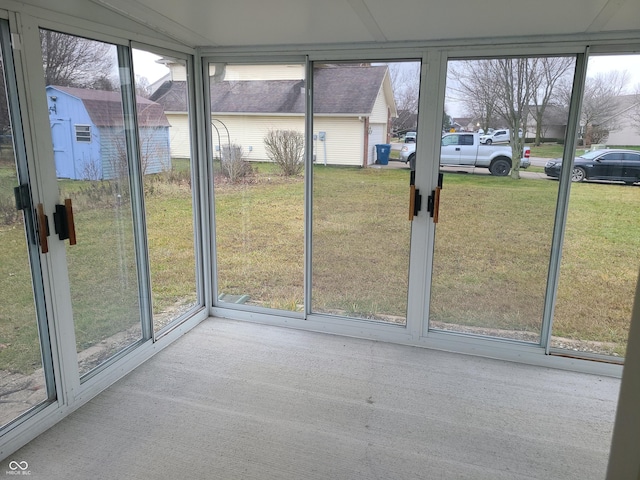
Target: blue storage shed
<point x="87" y="130"/>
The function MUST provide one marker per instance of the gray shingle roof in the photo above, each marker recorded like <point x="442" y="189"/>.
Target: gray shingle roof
<point x="341" y="90"/>
<point x="105" y="108"/>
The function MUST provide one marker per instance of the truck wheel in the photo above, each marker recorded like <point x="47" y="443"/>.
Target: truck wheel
<point x="500" y="167"/>
<point x="488" y="141"/>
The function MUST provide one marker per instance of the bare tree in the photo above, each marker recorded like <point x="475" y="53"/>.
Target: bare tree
<point x="143" y="87"/>
<point x="71" y="61"/>
<point x="600" y="106"/>
<point x="405" y="81"/>
<point x="552" y="70"/>
<point x="635" y="110"/>
<point x="515" y="79"/>
<point x="472" y="83"/>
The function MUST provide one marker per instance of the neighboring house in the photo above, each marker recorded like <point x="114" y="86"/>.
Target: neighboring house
<point x="626" y="131"/>
<point x="88" y="134"/>
<point x="554" y="122"/>
<point x="406" y="121"/>
<point x="353" y="108"/>
<point x="624" y="128"/>
<point x="463" y="124"/>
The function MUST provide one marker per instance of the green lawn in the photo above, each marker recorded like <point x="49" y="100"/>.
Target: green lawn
<point x="490" y="265"/>
<point x="555" y="150"/>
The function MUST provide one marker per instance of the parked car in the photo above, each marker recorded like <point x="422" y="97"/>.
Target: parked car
<point x="608" y="164"/>
<point x="410" y="137"/>
<point x="464" y="149"/>
<point x="497" y="136"/>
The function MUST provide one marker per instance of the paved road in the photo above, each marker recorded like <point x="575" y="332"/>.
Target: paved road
<point x="537" y="161"/>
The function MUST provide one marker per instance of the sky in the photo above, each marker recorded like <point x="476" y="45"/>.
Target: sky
<point x="605" y="63"/>
<point x="144" y="64"/>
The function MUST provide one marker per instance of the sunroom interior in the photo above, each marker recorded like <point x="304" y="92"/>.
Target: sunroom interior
<point x="217" y="263"/>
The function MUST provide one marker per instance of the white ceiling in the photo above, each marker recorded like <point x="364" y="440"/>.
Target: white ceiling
<point x="301" y="22"/>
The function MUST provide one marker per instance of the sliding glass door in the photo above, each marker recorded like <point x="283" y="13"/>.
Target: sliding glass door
<point x="26" y="380"/>
<point x="497" y="211"/>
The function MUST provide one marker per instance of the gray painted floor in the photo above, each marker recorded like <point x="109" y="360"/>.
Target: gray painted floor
<point x="233" y="400"/>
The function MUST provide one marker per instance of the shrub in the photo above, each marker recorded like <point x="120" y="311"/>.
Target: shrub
<point x="285" y="148"/>
<point x="233" y="166"/>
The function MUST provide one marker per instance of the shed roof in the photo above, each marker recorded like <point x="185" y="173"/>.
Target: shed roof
<point x="339" y="90"/>
<point x="105" y="107"/>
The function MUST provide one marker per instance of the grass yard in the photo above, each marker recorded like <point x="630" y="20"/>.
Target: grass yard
<point x="490" y="264"/>
<point x="555" y="150"/>
<point x="492" y="251"/>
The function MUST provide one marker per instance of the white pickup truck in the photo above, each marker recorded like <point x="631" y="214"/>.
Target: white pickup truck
<point x="498" y="136"/>
<point x="465" y="149"/>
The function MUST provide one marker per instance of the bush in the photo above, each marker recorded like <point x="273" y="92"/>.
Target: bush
<point x="232" y="165"/>
<point x="285" y="148"/>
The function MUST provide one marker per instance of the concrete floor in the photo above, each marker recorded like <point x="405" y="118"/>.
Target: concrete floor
<point x="237" y="400"/>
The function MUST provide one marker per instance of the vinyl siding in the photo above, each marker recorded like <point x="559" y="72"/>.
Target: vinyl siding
<point x="344" y="144"/>
<point x="262" y="72"/>
<point x="379" y="113"/>
<point x="154" y="150"/>
<point x="249" y="132"/>
<point x="179" y="137"/>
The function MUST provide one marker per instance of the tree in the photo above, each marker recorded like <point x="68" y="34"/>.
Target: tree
<point x="405" y="81"/>
<point x="71" y="61"/>
<point x="635" y="110"/>
<point x="600" y="106"/>
<point x="516" y="79"/>
<point x="472" y="82"/>
<point x="552" y="70"/>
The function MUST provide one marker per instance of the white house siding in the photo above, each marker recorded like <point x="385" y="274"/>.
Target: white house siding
<point x="379" y="123"/>
<point x="178" y="72"/>
<point x="249" y="131"/>
<point x="344" y="135"/>
<point x="344" y="141"/>
<point x="627" y="136"/>
<point x="379" y="114"/>
<point x="179" y="135"/>
<point x="261" y="72"/>
<point x="377" y="136"/>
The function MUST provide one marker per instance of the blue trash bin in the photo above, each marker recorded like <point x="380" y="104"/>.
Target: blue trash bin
<point x="382" y="153"/>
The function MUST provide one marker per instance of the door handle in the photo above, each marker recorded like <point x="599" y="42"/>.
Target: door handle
<point x="457" y="149"/>
<point x="415" y="199"/>
<point x="433" y="202"/>
<point x="64" y="223"/>
<point x="43" y="228"/>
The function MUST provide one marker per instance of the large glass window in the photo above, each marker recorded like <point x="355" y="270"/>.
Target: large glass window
<point x="258" y="127"/>
<point x="601" y="247"/>
<point x="164" y="115"/>
<point x="363" y="116"/>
